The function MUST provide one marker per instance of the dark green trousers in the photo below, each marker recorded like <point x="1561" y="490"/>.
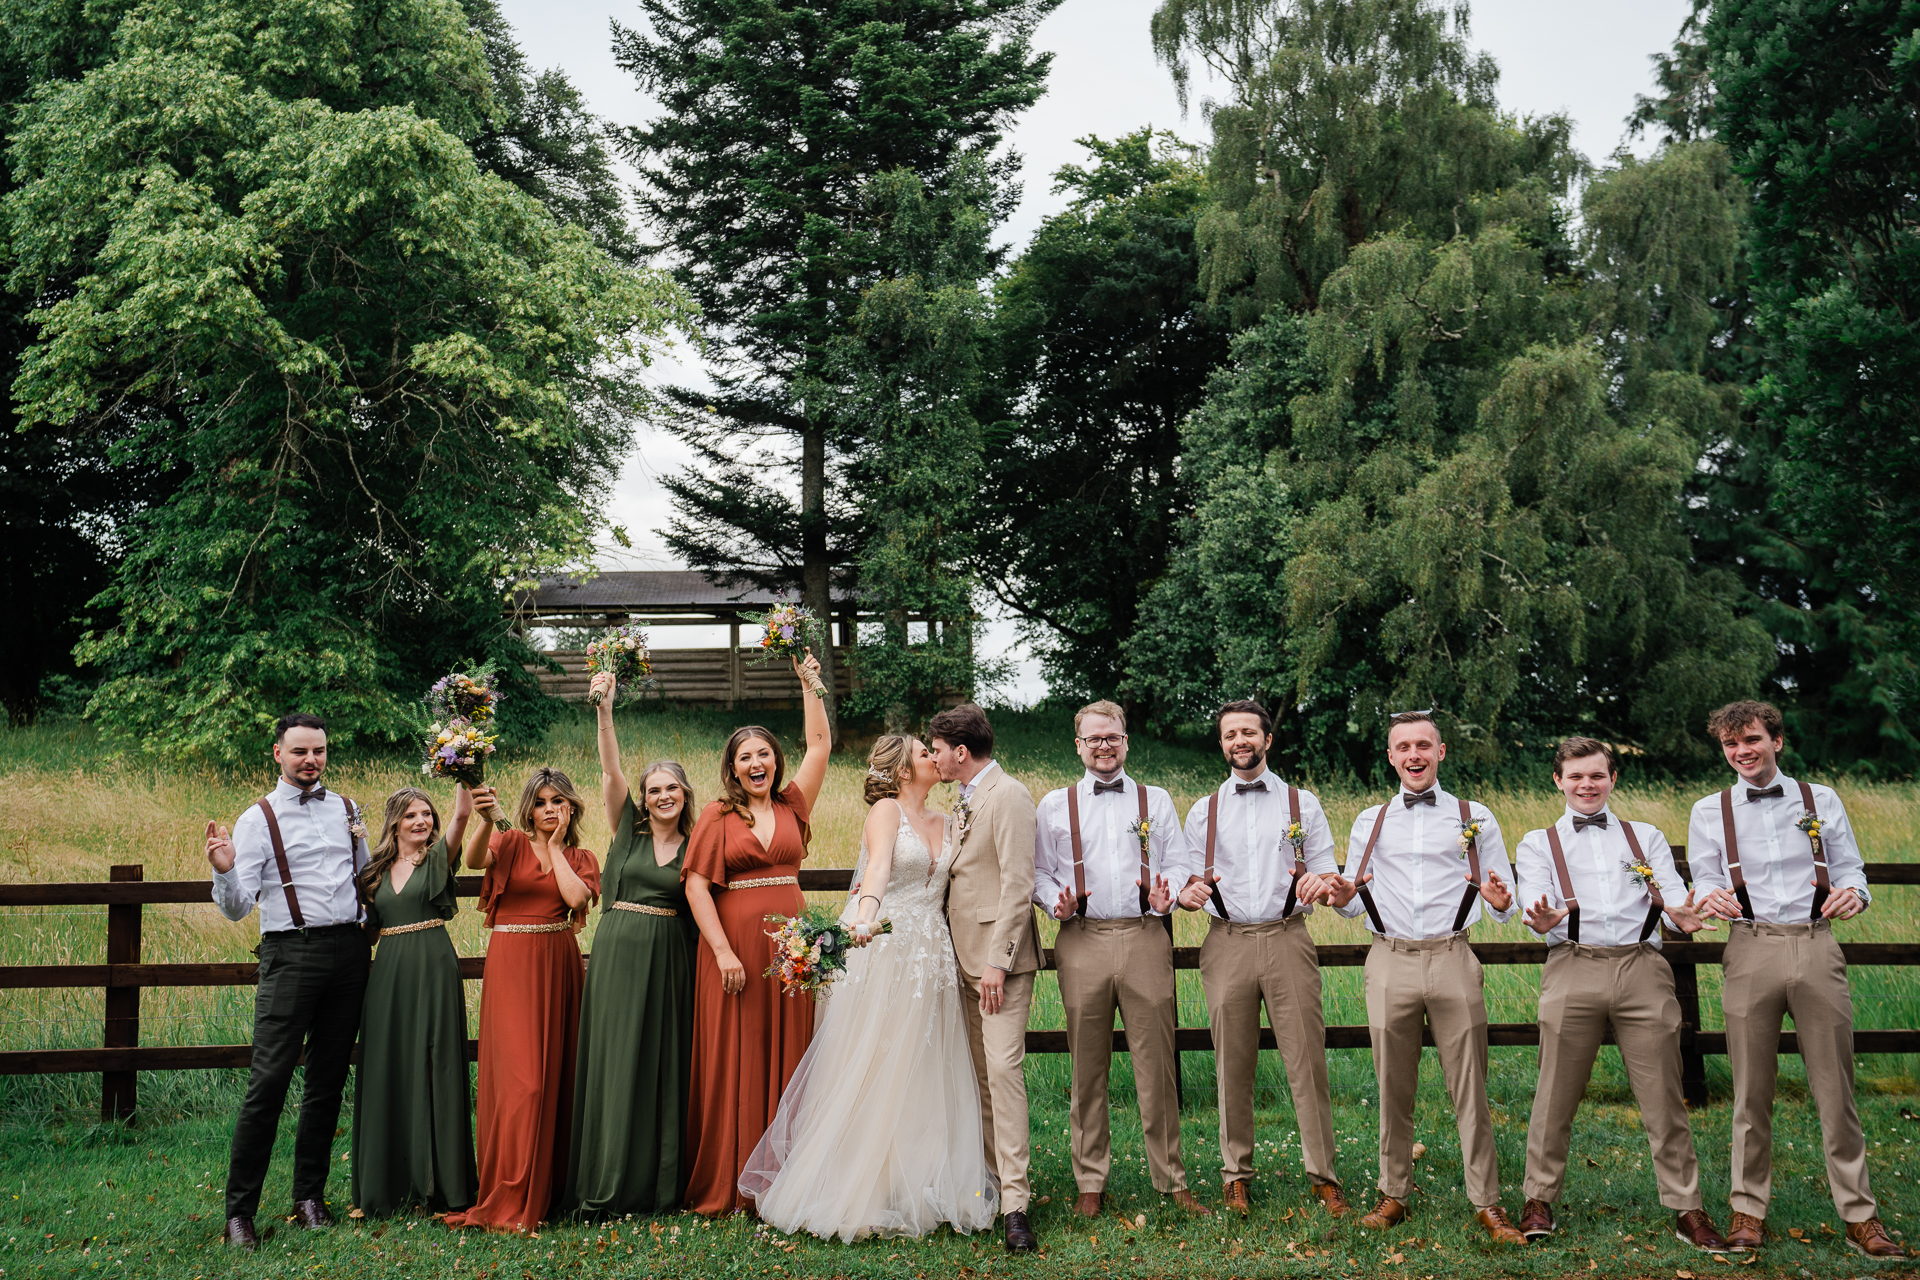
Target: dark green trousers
<point x="312" y="984"/>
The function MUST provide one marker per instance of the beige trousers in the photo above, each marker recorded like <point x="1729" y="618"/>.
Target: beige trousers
<point x="1773" y="970"/>
<point x="1242" y="966"/>
<point x="1125" y="965"/>
<point x="1582" y="990"/>
<point x="999" y="1044"/>
<point x="1411" y="983"/>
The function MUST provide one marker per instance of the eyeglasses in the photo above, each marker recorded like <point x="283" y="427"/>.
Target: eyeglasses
<point x="1105" y="740"/>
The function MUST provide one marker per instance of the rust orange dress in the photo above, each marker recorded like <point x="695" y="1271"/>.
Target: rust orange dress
<point x="745" y="1047"/>
<point x="529" y="1033"/>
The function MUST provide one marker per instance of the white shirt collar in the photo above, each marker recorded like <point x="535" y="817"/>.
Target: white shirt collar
<point x="1267" y="776"/>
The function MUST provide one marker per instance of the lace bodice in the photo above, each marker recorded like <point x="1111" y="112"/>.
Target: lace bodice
<point x="915" y="901"/>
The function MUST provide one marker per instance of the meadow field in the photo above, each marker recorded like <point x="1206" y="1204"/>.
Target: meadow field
<point x="81" y="1197"/>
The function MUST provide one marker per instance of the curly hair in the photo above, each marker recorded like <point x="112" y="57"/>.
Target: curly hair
<point x="890" y="759"/>
<point x="733" y="793"/>
<point x="1735" y="716"/>
<point x="387" y="851"/>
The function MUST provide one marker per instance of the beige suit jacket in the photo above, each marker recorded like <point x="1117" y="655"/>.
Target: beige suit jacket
<point x="990" y="892"/>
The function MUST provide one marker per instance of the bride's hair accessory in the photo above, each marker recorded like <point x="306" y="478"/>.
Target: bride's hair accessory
<point x="891" y="756"/>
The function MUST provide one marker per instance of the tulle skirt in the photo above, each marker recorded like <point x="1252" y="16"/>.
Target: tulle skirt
<point x="878" y="1133"/>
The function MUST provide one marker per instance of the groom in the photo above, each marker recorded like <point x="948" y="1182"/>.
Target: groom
<point x="990" y="913"/>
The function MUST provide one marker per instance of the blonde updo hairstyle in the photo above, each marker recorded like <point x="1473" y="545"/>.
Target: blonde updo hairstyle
<point x="889" y="765"/>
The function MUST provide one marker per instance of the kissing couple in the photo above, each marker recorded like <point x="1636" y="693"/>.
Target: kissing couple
<point x="910" y="1106"/>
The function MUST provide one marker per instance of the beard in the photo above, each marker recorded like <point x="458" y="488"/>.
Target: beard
<point x="1258" y="761"/>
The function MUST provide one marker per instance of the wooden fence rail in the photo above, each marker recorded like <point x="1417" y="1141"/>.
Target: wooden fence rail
<point x="122" y="977"/>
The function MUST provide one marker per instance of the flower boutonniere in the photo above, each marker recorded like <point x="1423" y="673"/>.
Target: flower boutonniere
<point x="962" y="817"/>
<point x="1142" y="830"/>
<point x="1811" y="822"/>
<point x="1640" y="873"/>
<point x="1297" y="837"/>
<point x="1469" y="832"/>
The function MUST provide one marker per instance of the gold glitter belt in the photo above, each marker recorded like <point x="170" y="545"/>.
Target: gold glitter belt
<point x="644" y="909"/>
<point x="760" y="882"/>
<point x="435" y="923"/>
<point x="555" y="927"/>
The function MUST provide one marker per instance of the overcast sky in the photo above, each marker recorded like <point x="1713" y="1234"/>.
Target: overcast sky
<point x="1588" y="60"/>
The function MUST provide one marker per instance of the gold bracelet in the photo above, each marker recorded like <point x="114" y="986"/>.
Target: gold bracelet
<point x="555" y="927"/>
<point x="435" y="923"/>
<point x="760" y="882"/>
<point x="644" y="909"/>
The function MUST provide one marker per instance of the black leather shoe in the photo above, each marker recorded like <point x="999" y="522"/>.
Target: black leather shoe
<point x="241" y="1235"/>
<point x="1020" y="1237"/>
<point x="312" y="1213"/>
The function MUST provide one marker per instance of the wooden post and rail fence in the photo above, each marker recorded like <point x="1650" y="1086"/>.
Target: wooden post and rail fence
<point x="123" y="976"/>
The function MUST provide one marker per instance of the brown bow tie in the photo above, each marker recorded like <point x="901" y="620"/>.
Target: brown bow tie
<point x="1412" y="798"/>
<point x="1764" y="793"/>
<point x="1581" y="821"/>
<point x="1241" y="788"/>
<point x="1115" y="785"/>
<point x="317" y="793"/>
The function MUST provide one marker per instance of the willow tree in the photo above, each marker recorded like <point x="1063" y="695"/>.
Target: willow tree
<point x="260" y="247"/>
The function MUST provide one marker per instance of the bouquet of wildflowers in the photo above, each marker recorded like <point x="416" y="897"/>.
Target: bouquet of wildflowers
<point x="458" y="741"/>
<point x="808" y="955"/>
<point x="789" y="630"/>
<point x="623" y="651"/>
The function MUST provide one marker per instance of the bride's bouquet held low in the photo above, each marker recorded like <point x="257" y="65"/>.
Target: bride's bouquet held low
<point x="809" y="955"/>
<point x="457" y="740"/>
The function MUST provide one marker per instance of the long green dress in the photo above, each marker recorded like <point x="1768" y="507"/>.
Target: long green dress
<point x="636" y="1038"/>
<point x="412" y="1101"/>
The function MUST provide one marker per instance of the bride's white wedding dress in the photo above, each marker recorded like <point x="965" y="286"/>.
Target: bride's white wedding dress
<point x="878" y="1133"/>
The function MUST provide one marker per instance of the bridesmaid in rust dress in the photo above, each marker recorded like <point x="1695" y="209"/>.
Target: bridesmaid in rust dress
<point x="741" y="866"/>
<point x="537" y="889"/>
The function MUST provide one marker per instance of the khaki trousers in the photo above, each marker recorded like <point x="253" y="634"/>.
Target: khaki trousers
<point x="1241" y="966"/>
<point x="1773" y="970"/>
<point x="1437" y="981"/>
<point x="1583" y="990"/>
<point x="1128" y="965"/>
<point x="999" y="1045"/>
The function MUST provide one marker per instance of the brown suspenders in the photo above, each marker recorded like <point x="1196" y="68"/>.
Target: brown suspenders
<point x="1573" y="902"/>
<point x="1821" y="887"/>
<point x="1299" y="855"/>
<point x="1079" y="863"/>
<point x="286" y="872"/>
<point x="1473" y="865"/>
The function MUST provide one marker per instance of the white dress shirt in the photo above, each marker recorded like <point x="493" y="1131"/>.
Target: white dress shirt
<point x="1109" y="852"/>
<point x="322" y="856"/>
<point x="1419" y="869"/>
<point x="1251" y="854"/>
<point x="966" y="788"/>
<point x="1613" y="905"/>
<point x="1775" y="856"/>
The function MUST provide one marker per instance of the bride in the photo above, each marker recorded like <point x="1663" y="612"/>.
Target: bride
<point x="878" y="1133"/>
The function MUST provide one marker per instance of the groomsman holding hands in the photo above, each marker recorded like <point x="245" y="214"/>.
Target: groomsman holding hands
<point x="1256" y="857"/>
<point x="1102" y="848"/>
<point x="1603" y="884"/>
<point x="1423" y="870"/>
<point x="1778" y="859"/>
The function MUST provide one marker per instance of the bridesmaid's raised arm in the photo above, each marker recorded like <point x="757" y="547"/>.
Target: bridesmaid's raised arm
<point x="457" y="828"/>
<point x="813" y="767"/>
<point x="613" y="782"/>
<point x="479" y="840"/>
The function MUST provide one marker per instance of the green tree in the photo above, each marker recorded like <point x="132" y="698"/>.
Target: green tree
<point x="904" y="380"/>
<point x="1344" y="119"/>
<point x="1816" y="100"/>
<point x="775" y="116"/>
<point x="261" y="253"/>
<point x="1103" y="344"/>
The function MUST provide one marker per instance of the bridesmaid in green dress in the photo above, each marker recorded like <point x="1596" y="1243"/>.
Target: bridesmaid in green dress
<point x="636" y="1019"/>
<point x="412" y="1106"/>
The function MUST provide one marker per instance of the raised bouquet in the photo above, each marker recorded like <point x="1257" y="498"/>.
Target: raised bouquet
<point x="788" y="631"/>
<point x="623" y="651"/>
<point x="809" y="955"/>
<point x="459" y="739"/>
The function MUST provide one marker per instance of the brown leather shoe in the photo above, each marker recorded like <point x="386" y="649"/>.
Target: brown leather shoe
<point x="1237" y="1197"/>
<point x="312" y="1214"/>
<point x="1536" y="1219"/>
<point x="1694" y="1227"/>
<point x="241" y="1235"/>
<point x="1088" y="1205"/>
<point x="1331" y="1200"/>
<point x="1020" y="1237"/>
<point x="1499" y="1226"/>
<point x="1871" y="1238"/>
<point x="1745" y="1232"/>
<point x="1190" y="1202"/>
<point x="1388" y="1213"/>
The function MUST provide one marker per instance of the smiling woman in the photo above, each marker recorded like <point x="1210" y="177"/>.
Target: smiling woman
<point x="740" y="868"/>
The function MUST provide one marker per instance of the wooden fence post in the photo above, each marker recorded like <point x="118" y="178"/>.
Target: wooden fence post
<point x="119" y="1090"/>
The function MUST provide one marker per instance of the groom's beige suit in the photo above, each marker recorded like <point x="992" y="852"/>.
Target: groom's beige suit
<point x="990" y="912"/>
